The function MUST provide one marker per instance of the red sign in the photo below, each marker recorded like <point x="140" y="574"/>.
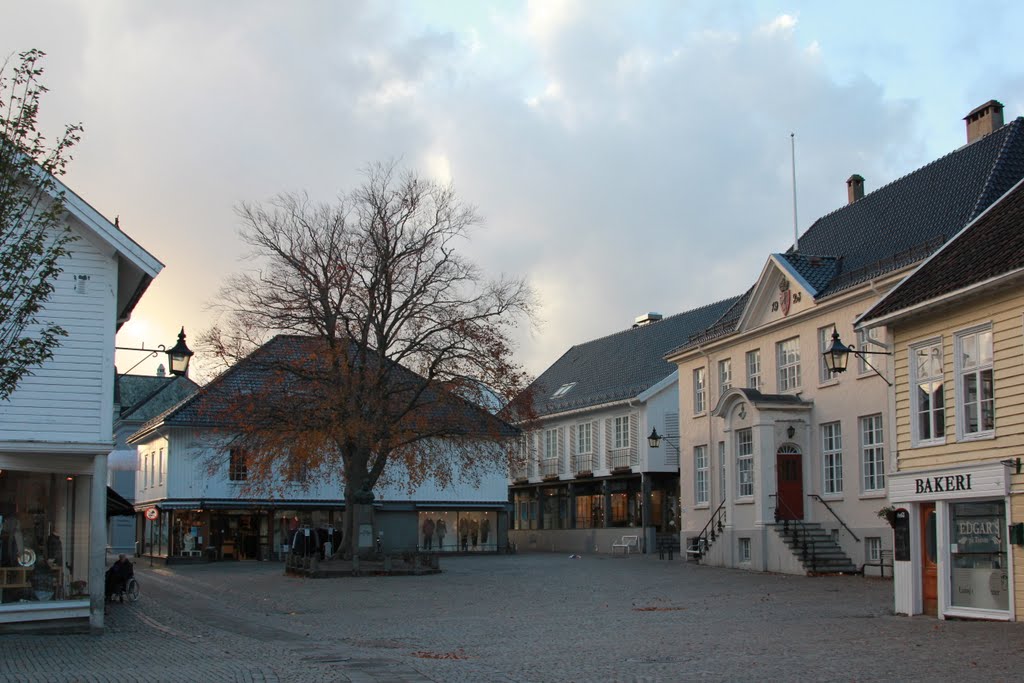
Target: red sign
<point x="152" y="513"/>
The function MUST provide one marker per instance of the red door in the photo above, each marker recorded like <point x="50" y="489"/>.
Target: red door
<point x="929" y="564"/>
<point x="789" y="473"/>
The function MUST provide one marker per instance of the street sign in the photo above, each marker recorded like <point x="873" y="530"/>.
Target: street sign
<point x="152" y="513"/>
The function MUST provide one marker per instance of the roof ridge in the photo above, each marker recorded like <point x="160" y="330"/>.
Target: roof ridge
<point x="980" y="204"/>
<point x="652" y="324"/>
<point x="906" y="175"/>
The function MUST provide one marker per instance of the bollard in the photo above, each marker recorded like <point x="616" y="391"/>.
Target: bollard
<point x="661" y="551"/>
<point x="670" y="552"/>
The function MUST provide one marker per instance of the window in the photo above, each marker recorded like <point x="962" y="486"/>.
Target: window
<point x="788" y="357"/>
<point x="745" y="463"/>
<point x="824" y="341"/>
<point x="873" y="548"/>
<point x="754" y="369"/>
<point x="872" y="452"/>
<point x="724" y="375"/>
<point x="621" y="432"/>
<point x="832" y="458"/>
<point x="550" y="444"/>
<point x="721" y="470"/>
<point x="563" y="390"/>
<point x="701" y="475"/>
<point x="744" y="550"/>
<point x="929" y="411"/>
<point x="863" y="344"/>
<point x="237" y="470"/>
<point x="975" y="403"/>
<point x="699" y="386"/>
<point x="145" y="471"/>
<point x="160" y="468"/>
<point x="584" y="438"/>
<point x="298" y="469"/>
<point x="152" y="469"/>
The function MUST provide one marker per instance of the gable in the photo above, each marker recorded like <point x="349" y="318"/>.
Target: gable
<point x="781" y="292"/>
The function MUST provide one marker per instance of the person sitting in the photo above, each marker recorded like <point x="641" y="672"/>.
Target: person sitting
<point x="117" y="577"/>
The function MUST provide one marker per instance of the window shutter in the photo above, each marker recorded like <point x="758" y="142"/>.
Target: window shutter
<point x="634" y="439"/>
<point x="561" y="449"/>
<point x="572" y="448"/>
<point x="607" y="443"/>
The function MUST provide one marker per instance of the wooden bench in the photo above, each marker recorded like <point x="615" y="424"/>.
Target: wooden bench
<point x="627" y="543"/>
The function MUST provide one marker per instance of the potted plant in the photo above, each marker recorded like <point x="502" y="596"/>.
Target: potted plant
<point x="888" y="513"/>
<point x="79" y="589"/>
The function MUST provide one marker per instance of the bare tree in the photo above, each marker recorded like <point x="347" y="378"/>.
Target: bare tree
<point x="400" y="340"/>
<point x="33" y="237"/>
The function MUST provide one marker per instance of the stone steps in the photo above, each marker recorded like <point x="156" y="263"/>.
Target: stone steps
<point x="814" y="548"/>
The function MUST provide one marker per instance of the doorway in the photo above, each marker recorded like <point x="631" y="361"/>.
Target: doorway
<point x="789" y="475"/>
<point x="929" y="561"/>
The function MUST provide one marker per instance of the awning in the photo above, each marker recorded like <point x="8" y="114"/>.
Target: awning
<point x="117" y="505"/>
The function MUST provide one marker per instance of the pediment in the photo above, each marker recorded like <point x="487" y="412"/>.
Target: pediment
<point x="780" y="292"/>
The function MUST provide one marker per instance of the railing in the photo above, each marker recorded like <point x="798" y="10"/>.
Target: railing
<point x="707" y="535"/>
<point x="829" y="507"/>
<point x="623" y="457"/>
<point x="583" y="463"/>
<point x="551" y="468"/>
<point x="799" y="531"/>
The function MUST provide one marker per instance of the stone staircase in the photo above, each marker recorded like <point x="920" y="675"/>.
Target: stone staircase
<point x="814" y="548"/>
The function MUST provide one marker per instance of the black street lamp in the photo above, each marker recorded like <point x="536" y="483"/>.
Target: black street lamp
<point x="837" y="355"/>
<point x="654" y="440"/>
<point x="178" y="356"/>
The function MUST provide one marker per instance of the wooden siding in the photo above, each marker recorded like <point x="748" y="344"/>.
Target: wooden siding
<point x="1004" y="311"/>
<point x="69" y="398"/>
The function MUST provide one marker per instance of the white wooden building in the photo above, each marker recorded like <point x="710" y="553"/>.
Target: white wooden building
<point x="56" y="432"/>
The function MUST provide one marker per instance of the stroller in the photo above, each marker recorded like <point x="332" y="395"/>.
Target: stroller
<point x="120" y="581"/>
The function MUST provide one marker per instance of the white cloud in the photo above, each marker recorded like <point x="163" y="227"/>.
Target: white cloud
<point x="784" y="23"/>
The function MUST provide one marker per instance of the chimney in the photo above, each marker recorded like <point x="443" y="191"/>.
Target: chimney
<point x="646" y="319"/>
<point x="854" y="188"/>
<point x="984" y="120"/>
<point x="161" y="371"/>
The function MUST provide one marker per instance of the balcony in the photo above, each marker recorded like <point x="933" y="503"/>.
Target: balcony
<point x="551" y="468"/>
<point x="584" y="463"/>
<point x="623" y="458"/>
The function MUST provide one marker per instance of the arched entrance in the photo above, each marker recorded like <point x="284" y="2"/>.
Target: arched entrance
<point x="789" y="475"/>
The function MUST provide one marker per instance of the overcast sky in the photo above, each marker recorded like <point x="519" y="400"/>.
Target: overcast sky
<point x="627" y="156"/>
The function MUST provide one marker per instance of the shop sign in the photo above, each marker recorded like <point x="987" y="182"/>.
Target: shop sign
<point x="978" y="534"/>
<point x="963" y="482"/>
<point x="901" y="535"/>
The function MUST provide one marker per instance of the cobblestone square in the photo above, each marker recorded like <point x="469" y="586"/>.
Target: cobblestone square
<point x="527" y="617"/>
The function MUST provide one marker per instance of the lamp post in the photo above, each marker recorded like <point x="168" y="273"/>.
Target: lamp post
<point x="178" y="356"/>
<point x="837" y="355"/>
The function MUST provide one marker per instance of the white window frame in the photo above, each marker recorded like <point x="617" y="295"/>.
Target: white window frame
<point x="872" y="453"/>
<point x="873" y="548"/>
<point x="620" y="432"/>
<point x="721" y="471"/>
<point x="701" y="473"/>
<point x="935" y="348"/>
<point x="787" y="363"/>
<point x="551" y="443"/>
<point x="753" y="363"/>
<point x="824" y="340"/>
<point x="745" y="463"/>
<point x="743" y="550"/>
<point x="160" y="468"/>
<point x="145" y="471"/>
<point x="700" y="389"/>
<point x="980" y="367"/>
<point x="863" y="344"/>
<point x="832" y="459"/>
<point x="724" y="375"/>
<point x="584" y="438"/>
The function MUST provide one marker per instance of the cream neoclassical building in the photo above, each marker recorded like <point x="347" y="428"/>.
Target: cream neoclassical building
<point x="785" y="466"/>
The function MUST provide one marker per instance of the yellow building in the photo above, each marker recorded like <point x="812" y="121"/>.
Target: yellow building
<point x="957" y="325"/>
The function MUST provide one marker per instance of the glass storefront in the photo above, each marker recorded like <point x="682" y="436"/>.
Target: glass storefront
<point x="626" y="503"/>
<point x="978" y="564"/>
<point x="589" y="506"/>
<point x="44" y="536"/>
<point x="555" y="513"/>
<point x="458" y="531"/>
<point x="526" y="509"/>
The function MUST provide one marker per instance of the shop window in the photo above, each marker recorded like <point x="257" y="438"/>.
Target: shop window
<point x="555" y="512"/>
<point x="525" y="510"/>
<point x="977" y="544"/>
<point x="44" y="537"/>
<point x="458" y="530"/>
<point x="589" y="507"/>
<point x="625" y="503"/>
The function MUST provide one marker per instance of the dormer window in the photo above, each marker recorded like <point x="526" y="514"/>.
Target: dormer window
<point x="563" y="390"/>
